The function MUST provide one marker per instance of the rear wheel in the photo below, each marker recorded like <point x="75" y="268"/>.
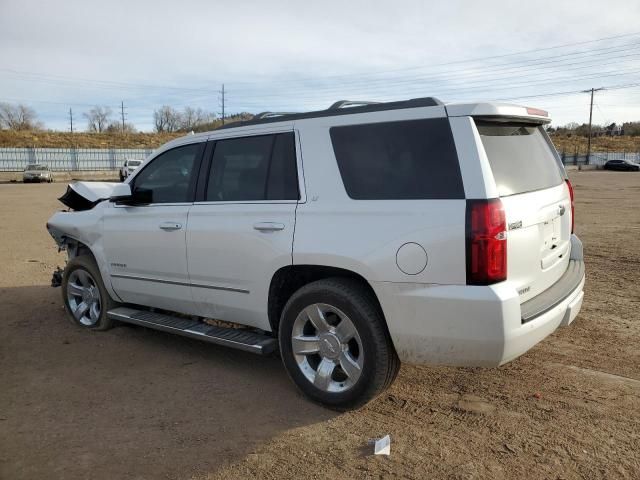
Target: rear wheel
<point x="334" y="344"/>
<point x="84" y="295"/>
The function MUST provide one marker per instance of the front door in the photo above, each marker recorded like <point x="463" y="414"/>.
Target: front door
<point x="145" y="245"/>
<point x="241" y="232"/>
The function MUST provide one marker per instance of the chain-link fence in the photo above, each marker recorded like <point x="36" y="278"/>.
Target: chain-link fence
<point x="69" y="159"/>
<point x="598" y="158"/>
<point x="75" y="159"/>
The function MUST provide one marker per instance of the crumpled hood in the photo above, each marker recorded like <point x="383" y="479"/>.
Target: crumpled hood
<point x="85" y="195"/>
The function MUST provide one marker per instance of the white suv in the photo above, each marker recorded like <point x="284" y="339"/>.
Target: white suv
<point x="351" y="239"/>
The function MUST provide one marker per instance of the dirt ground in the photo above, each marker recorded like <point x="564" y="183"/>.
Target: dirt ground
<point x="132" y="403"/>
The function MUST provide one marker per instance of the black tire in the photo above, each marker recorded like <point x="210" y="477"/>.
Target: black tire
<point x="87" y="264"/>
<point x="380" y="362"/>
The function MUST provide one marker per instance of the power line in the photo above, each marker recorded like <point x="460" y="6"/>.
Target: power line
<point x="515" y="67"/>
<point x="113" y="84"/>
<point x="518" y="66"/>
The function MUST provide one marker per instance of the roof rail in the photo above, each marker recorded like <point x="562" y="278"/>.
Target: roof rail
<point x="262" y="115"/>
<point x="337" y="109"/>
<point x="349" y="103"/>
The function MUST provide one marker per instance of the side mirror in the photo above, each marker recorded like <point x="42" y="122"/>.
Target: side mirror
<point x="121" y="192"/>
<point x="122" y="195"/>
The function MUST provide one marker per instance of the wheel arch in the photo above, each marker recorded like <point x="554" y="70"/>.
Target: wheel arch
<point x="288" y="279"/>
<point x="76" y="248"/>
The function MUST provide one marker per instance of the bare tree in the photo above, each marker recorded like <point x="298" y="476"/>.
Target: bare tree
<point x="166" y="119"/>
<point x="192" y="118"/>
<point x="18" y="117"/>
<point x="98" y="119"/>
<point x="116" y="127"/>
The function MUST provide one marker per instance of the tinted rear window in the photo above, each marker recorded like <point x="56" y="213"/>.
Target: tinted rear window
<point x="413" y="159"/>
<point x="520" y="157"/>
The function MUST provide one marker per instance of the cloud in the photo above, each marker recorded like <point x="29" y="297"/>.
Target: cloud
<point x="286" y="54"/>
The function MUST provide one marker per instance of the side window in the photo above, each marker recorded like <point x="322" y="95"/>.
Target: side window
<point x="414" y="159"/>
<point x="169" y="176"/>
<point x="254" y="168"/>
<point x="283" y="173"/>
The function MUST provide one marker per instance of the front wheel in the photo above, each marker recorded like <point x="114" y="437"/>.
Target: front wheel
<point x="334" y="343"/>
<point x="84" y="295"/>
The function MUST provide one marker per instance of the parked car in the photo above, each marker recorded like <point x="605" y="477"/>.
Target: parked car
<point x="37" y="172"/>
<point x="624" y="165"/>
<point x="128" y="168"/>
<point x="424" y="233"/>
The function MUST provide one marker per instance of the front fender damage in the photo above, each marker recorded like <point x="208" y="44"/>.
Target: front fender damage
<point x="79" y="232"/>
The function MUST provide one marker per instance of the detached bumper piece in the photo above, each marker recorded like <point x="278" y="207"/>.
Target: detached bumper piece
<point x="56" y="278"/>
<point x="229" y="337"/>
<point x="555" y="294"/>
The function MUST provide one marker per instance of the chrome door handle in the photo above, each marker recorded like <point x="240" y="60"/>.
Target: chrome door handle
<point x="268" y="226"/>
<point x="169" y="226"/>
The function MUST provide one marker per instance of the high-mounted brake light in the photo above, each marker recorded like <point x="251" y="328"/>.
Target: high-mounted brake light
<point x="573" y="208"/>
<point x="486" y="232"/>
<point x="537" y="111"/>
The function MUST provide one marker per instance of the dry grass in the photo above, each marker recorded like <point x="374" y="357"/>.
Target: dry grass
<point x="572" y="144"/>
<point x="42" y="139"/>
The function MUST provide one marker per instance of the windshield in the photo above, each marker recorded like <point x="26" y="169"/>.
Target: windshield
<point x="134" y="163"/>
<point x="521" y="159"/>
<point x="36" y="167"/>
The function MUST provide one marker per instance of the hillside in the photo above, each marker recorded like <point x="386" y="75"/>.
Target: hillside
<point x="44" y="139"/>
<point x="48" y="139"/>
<point x="571" y="144"/>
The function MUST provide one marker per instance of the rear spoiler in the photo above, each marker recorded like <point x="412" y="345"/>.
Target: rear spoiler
<point x="499" y="112"/>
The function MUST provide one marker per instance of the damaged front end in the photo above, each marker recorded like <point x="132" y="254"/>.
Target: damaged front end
<point x="86" y="195"/>
<point x="79" y="231"/>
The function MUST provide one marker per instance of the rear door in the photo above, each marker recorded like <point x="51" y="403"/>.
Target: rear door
<point x="241" y="229"/>
<point x="531" y="184"/>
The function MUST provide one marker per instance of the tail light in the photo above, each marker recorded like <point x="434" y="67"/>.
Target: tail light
<point x="486" y="242"/>
<point x="573" y="209"/>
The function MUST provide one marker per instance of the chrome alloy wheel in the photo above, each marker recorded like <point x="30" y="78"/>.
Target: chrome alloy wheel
<point x="327" y="348"/>
<point x="83" y="297"/>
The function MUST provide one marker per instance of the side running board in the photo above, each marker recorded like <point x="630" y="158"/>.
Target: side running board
<point x="229" y="337"/>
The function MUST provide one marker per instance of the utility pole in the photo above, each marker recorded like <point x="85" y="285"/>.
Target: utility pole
<point x="71" y="119"/>
<point x="223" y="104"/>
<point x="590" y="117"/>
<point x="122" y="112"/>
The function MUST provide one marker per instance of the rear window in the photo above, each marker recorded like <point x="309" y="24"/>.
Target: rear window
<point x="413" y="159"/>
<point x="520" y="157"/>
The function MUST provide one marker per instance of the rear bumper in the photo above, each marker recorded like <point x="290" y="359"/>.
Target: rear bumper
<point x="465" y="325"/>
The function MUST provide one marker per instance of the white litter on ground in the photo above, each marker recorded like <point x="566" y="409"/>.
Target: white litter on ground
<point x="382" y="446"/>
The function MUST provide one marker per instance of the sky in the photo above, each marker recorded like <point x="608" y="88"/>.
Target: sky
<point x="299" y="56"/>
